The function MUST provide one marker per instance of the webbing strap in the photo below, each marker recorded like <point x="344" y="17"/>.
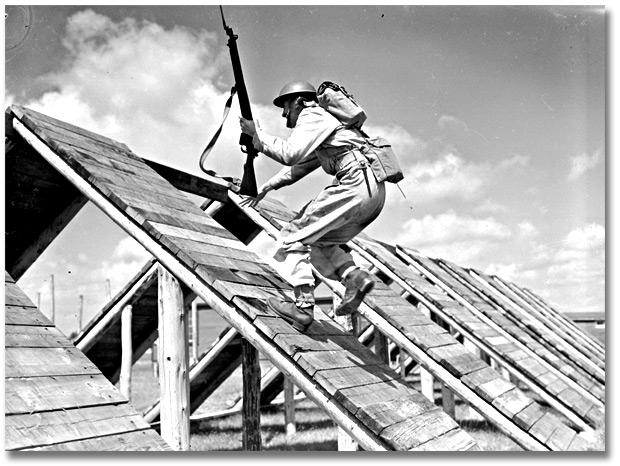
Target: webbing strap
<point x="213" y="140"/>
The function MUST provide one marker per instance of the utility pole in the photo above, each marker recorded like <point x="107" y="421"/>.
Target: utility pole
<point x="108" y="289"/>
<point x="81" y="312"/>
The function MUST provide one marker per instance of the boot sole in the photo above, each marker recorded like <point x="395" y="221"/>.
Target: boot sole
<point x="289" y="320"/>
<point x="349" y="307"/>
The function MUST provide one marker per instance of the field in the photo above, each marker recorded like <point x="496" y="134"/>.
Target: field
<point x="315" y="431"/>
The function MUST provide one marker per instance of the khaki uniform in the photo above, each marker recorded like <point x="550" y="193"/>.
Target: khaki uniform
<point x="340" y="212"/>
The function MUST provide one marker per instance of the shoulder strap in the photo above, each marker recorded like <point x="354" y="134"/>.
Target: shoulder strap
<point x="213" y="140"/>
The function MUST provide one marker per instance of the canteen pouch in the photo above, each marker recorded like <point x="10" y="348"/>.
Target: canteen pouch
<point x="337" y="101"/>
<point x="382" y="160"/>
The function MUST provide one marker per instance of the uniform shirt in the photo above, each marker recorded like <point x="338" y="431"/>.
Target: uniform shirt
<point x="315" y="129"/>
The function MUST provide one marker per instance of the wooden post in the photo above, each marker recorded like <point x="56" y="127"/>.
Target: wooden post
<point x="426" y="384"/>
<point x="173" y="360"/>
<point x="195" y="334"/>
<point x="382" y="346"/>
<point x="447" y="401"/>
<point x="289" y="407"/>
<point x="126" y="352"/>
<point x="251" y="397"/>
<point x="345" y="442"/>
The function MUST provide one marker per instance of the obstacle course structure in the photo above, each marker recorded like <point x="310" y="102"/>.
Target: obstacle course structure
<point x="203" y="254"/>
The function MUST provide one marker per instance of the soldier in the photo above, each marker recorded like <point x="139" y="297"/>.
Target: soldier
<point x="319" y="233"/>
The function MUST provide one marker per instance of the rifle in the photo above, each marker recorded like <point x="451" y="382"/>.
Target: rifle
<point x="248" y="182"/>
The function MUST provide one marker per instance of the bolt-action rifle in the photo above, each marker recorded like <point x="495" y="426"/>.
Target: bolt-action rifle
<point x="248" y="182"/>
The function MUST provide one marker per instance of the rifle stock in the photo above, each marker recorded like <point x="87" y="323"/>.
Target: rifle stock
<point x="248" y="182"/>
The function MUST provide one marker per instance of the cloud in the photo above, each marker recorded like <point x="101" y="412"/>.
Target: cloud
<point x="450" y="228"/>
<point x="132" y="80"/>
<point x="582" y="163"/>
<point x="448" y="176"/>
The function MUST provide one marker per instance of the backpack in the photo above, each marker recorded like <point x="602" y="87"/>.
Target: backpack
<point x="339" y="103"/>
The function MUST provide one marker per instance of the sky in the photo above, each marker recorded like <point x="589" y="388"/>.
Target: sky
<point x="496" y="113"/>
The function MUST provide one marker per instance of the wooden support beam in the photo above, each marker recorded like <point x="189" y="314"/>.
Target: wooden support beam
<point x="195" y="334"/>
<point x="173" y="360"/>
<point x="382" y="347"/>
<point x="289" y="407"/>
<point x="126" y="352"/>
<point x="211" y="187"/>
<point x="251" y="397"/>
<point x="447" y="401"/>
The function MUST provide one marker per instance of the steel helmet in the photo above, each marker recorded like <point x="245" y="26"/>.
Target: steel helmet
<point x="302" y="88"/>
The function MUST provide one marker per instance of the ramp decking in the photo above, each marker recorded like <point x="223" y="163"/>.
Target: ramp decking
<point x="489" y="333"/>
<point x="498" y="400"/>
<point x="359" y="391"/>
<point x="55" y="398"/>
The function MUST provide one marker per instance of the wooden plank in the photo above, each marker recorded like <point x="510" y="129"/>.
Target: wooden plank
<point x="22" y="315"/>
<point x="512" y="402"/>
<point x="378" y="416"/>
<point x="479" y="377"/>
<point x="144" y="440"/>
<point x="561" y="438"/>
<point x="23" y="396"/>
<point x="544" y="427"/>
<point x="337" y="379"/>
<point x="315" y="361"/>
<point x="37" y="362"/>
<point x="294" y="344"/>
<point x="528" y="416"/>
<point x="34" y="336"/>
<point x="418" y="430"/>
<point x="14" y="296"/>
<point x="453" y="440"/>
<point x="494" y="388"/>
<point x="53" y="427"/>
<point x="353" y="398"/>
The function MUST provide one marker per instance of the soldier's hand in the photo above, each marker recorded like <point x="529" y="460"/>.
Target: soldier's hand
<point x="247" y="126"/>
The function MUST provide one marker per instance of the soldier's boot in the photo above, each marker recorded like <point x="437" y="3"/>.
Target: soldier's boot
<point x="358" y="284"/>
<point x="298" y="313"/>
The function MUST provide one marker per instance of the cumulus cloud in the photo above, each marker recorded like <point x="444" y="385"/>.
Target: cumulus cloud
<point x="450" y="228"/>
<point x="580" y="164"/>
<point x="449" y="176"/>
<point x="160" y="91"/>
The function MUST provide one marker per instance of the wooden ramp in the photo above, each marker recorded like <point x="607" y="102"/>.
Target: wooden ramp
<point x="55" y="398"/>
<point x="531" y="331"/>
<point x="571" y="345"/>
<point x="489" y="333"/>
<point x="561" y="320"/>
<point x="553" y="319"/>
<point x="344" y="378"/>
<point x="495" y="398"/>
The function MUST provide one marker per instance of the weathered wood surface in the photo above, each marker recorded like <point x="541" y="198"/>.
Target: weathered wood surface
<point x="528" y="368"/>
<point x="530" y="331"/>
<point x="127" y="204"/>
<point x="555" y="322"/>
<point x="435" y="341"/>
<point x="550" y="329"/>
<point x="55" y="398"/>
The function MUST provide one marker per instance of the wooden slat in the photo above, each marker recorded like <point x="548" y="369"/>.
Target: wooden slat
<point x="34" y="394"/>
<point x="22" y="315"/>
<point x="145" y="440"/>
<point x="53" y="427"/>
<point x="31" y="362"/>
<point x="34" y="336"/>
